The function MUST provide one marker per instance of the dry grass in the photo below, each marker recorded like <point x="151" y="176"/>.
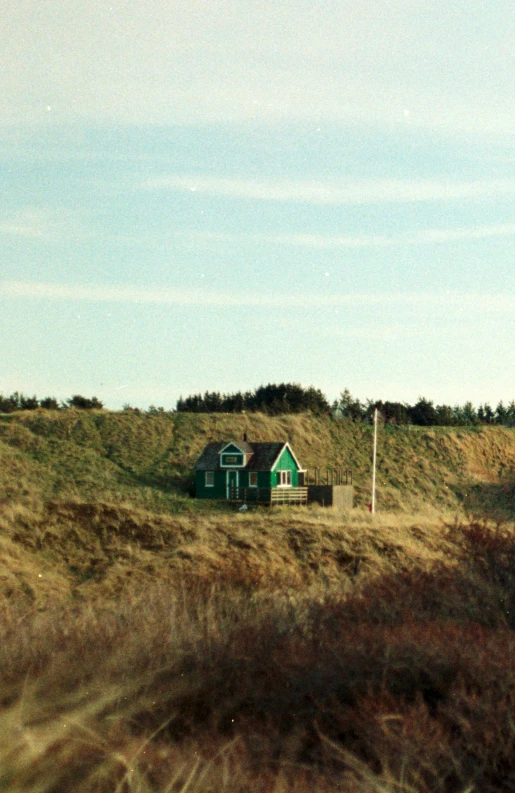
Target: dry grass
<point x="147" y="459"/>
<point x="152" y="644"/>
<point x="100" y="550"/>
<point x="407" y="684"/>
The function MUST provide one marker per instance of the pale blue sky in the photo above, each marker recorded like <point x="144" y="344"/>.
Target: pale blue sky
<point x="216" y="195"/>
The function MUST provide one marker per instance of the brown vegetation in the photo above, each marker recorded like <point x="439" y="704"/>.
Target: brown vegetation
<point x="150" y="644"/>
<point x="81" y="550"/>
<point x="403" y="683"/>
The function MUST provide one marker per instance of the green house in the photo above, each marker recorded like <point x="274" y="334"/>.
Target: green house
<point x="262" y="472"/>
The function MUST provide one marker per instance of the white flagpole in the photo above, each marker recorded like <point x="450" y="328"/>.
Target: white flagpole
<point x="374" y="459"/>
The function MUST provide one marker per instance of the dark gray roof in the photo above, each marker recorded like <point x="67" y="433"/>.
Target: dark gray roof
<point x="263" y="455"/>
<point x="243" y="445"/>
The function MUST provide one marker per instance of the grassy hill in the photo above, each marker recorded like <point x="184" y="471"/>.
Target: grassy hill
<point x="150" y="643"/>
<point x="95" y="501"/>
<point x="147" y="459"/>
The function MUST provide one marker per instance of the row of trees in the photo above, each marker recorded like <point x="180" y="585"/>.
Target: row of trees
<point x="274" y="400"/>
<point x="18" y="401"/>
<point x="271" y="399"/>
<point x="424" y="412"/>
<point x="292" y="398"/>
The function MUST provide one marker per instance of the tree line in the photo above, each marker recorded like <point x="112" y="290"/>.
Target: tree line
<point x="271" y="399"/>
<point x="19" y="401"/>
<point x="279" y="399"/>
<point x="424" y="412"/>
<point x="293" y="398"/>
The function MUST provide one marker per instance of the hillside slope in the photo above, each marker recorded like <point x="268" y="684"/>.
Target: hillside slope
<point x="147" y="459"/>
<point x="92" y="503"/>
<point x="151" y="643"/>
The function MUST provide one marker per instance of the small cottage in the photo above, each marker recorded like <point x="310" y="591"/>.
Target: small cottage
<point x="256" y="472"/>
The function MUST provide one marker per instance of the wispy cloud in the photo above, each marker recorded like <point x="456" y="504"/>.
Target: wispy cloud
<point x="372" y="191"/>
<point x="44" y="223"/>
<point x="201" y="61"/>
<point x="176" y="297"/>
<point x="32" y="223"/>
<point x="320" y="241"/>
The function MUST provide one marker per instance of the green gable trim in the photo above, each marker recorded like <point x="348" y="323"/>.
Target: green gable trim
<point x="232" y="456"/>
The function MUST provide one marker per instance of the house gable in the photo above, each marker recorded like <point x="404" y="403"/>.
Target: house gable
<point x="286" y="460"/>
<point x="231" y="456"/>
<point x="231" y="448"/>
<point x="285" y="471"/>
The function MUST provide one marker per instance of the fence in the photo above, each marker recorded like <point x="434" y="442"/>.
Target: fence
<point x="267" y="495"/>
<point x="333" y="476"/>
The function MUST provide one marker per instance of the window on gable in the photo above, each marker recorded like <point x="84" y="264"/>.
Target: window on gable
<point x="227" y="460"/>
<point x="210" y="479"/>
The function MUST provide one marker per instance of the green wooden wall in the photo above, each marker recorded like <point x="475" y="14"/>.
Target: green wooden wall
<point x="286" y="463"/>
<point x="220" y="487"/>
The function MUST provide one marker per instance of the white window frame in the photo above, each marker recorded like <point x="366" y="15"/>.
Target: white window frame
<point x="223" y="453"/>
<point x="253" y="475"/>
<point x="209" y="475"/>
<point x="284" y="478"/>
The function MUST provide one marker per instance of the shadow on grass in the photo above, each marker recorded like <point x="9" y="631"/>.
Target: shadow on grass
<point x="490" y="500"/>
<point x="182" y="484"/>
<point x="405" y="685"/>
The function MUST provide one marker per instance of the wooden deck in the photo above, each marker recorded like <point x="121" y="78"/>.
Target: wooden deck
<point x="268" y="496"/>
